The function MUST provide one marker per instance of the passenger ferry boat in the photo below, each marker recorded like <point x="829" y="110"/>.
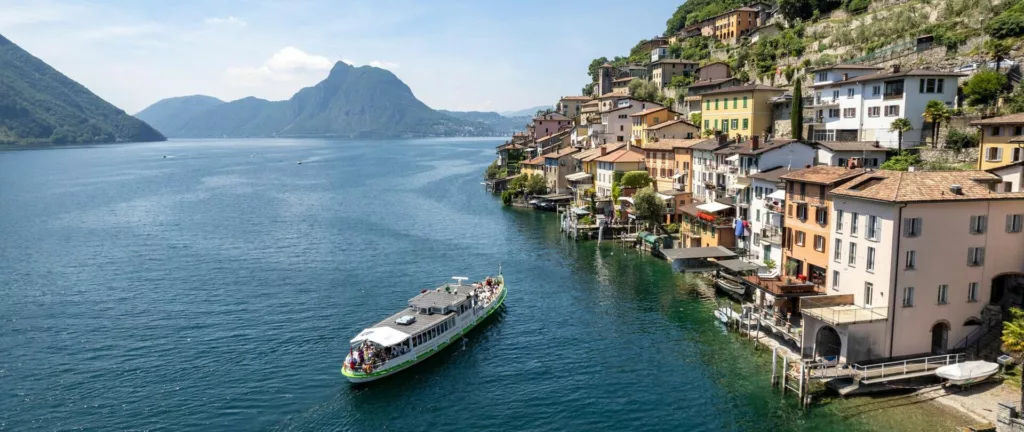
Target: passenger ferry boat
<point x="433" y="320"/>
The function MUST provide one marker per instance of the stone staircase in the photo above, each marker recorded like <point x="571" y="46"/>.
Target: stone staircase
<point x="985" y="343"/>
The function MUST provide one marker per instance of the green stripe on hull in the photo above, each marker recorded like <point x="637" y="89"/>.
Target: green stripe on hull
<point x="402" y="366"/>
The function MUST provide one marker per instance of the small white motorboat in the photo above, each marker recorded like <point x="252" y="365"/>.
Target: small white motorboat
<point x="725" y="313"/>
<point x="967" y="372"/>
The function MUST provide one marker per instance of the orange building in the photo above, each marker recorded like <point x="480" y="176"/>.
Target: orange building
<point x="806" y="238"/>
<point x="733" y="25"/>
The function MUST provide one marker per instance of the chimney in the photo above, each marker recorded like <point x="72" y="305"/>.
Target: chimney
<point x="806" y="166"/>
<point x="877" y="145"/>
<point x="846" y="76"/>
<point x="895" y="68"/>
<point x="956" y="189"/>
<point x="755" y="142"/>
<point x="604" y="150"/>
<point x="911" y="168"/>
<point x="853" y="163"/>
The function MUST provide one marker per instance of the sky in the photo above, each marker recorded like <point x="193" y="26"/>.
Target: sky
<point x="485" y="55"/>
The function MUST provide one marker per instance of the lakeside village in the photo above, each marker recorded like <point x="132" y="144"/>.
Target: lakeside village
<point x="863" y="272"/>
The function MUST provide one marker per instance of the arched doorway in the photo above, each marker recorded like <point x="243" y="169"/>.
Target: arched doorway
<point x="1007" y="292"/>
<point x="940" y="337"/>
<point x="827" y="343"/>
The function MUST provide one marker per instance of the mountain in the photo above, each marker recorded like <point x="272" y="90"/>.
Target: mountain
<point x="38" y="104"/>
<point x="529" y="112"/>
<point x="363" y="102"/>
<point x="502" y="125"/>
<point x="173" y="113"/>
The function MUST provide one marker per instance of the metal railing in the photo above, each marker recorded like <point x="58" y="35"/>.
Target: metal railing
<point x="838" y="314"/>
<point x="904" y="367"/>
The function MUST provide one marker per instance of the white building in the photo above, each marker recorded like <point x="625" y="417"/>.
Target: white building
<point x="616" y="124"/>
<point x="909" y="271"/>
<point x="840" y="153"/>
<point x="706" y="186"/>
<point x="859" y="103"/>
<point x="767" y="204"/>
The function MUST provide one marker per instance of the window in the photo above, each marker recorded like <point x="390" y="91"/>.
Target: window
<point x="801" y="212"/>
<point x="975" y="256"/>
<point x="1014" y="223"/>
<point x="849" y="112"/>
<point x="874" y="111"/>
<point x="835" y="94"/>
<point x="893" y="88"/>
<point x="995" y="131"/>
<point x="1018" y="155"/>
<point x="869" y="292"/>
<point x="707" y="124"/>
<point x="735" y="124"/>
<point x="978" y="224"/>
<point x="993" y="154"/>
<point x="852" y="261"/>
<point x="931" y="85"/>
<point x="874" y="228"/>
<point x="849" y="93"/>
<point x="819" y="243"/>
<point x="707" y="105"/>
<point x="821" y="216"/>
<point x="871" y="259"/>
<point x="803" y="189"/>
<point x="853" y="224"/>
<point x="842" y="162"/>
<point x="892" y="110"/>
<point x="943" y="295"/>
<point x="876" y="90"/>
<point x="839" y="221"/>
<point x="835" y="279"/>
<point x="800" y="237"/>
<point x="972" y="292"/>
<point x="716" y="103"/>
<point x="822" y="76"/>
<point x="734" y="99"/>
<point x="911" y="260"/>
<point x="911" y="227"/>
<point x="744" y="104"/>
<point x="908" y="296"/>
<point x="746" y="123"/>
<point x="833" y="112"/>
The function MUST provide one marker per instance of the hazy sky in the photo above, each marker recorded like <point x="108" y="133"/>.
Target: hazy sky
<point x="458" y="55"/>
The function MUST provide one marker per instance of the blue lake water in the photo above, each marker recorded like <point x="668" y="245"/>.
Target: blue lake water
<point x="216" y="289"/>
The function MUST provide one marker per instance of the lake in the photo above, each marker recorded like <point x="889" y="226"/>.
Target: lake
<point x="214" y="285"/>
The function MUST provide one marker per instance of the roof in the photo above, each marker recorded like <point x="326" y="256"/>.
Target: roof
<point x="924" y="186"/>
<point x="677" y="61"/>
<point x="624" y="155"/>
<point x="562" y="153"/>
<point x="772" y="175"/>
<point x="647" y="111"/>
<point x="690" y="209"/>
<point x="384" y="336"/>
<point x="578" y="176"/>
<point x="738" y="265"/>
<point x="551" y="116"/>
<point x="706" y="83"/>
<point x="592" y="102"/>
<point x="697" y="252"/>
<point x="709" y="144"/>
<point x="669" y="123"/>
<point x="593" y="154"/>
<point x="823" y="174"/>
<point x="1006" y="119"/>
<point x="850" y="145"/>
<point x="845" y="66"/>
<point x="1010" y="165"/>
<point x="623" y="79"/>
<point x="615" y="93"/>
<point x="886" y="74"/>
<point x="583" y="98"/>
<point x="744" y="88"/>
<point x="746" y="147"/>
<point x="511" y="146"/>
<point x="713" y="207"/>
<point x="682" y="142"/>
<point x="539" y="160"/>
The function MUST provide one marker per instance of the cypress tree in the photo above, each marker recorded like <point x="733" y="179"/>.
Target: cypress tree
<point x="796" y="117"/>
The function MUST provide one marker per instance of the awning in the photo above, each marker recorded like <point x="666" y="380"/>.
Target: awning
<point x="713" y="207"/>
<point x="384" y="336"/>
<point x="677" y="176"/>
<point x="737" y="265"/>
<point x="580" y="211"/>
<point x="665" y="197"/>
<point x="739" y="185"/>
<point x="626" y="199"/>
<point x="698" y="252"/>
<point x="779" y="194"/>
<point x="578" y="176"/>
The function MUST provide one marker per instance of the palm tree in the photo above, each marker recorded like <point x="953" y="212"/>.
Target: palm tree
<point x="1013" y="339"/>
<point x="935" y="112"/>
<point x="900" y="125"/>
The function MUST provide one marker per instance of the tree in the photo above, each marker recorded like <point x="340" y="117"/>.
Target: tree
<point x="595" y="67"/>
<point x="900" y="125"/>
<point x="796" y="116"/>
<point x="959" y="139"/>
<point x="1007" y="24"/>
<point x="695" y="118"/>
<point x="492" y="171"/>
<point x="997" y="49"/>
<point x="1013" y="339"/>
<point x="935" y="112"/>
<point x="648" y="205"/>
<point x="636" y="179"/>
<point x="646" y="91"/>
<point x="984" y="87"/>
<point x="536" y="184"/>
<point x="1014" y="103"/>
<point x="902" y="162"/>
<point x="588" y="90"/>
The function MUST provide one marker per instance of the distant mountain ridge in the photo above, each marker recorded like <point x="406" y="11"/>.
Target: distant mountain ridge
<point x="363" y="102"/>
<point x="40" y="105"/>
<point x="502" y="124"/>
<point x="529" y="112"/>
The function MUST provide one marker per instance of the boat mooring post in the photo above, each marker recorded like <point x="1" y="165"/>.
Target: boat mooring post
<point x="785" y="367"/>
<point x="803" y="383"/>
<point x="775" y="360"/>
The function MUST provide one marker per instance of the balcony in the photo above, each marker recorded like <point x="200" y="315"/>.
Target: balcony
<point x="840" y="310"/>
<point x="774" y="206"/>
<point x="771" y="236"/>
<point x="824" y="102"/>
<point x="814" y="120"/>
<point x="893" y="95"/>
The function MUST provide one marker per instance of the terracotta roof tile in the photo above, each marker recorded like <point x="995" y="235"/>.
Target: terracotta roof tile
<point x="647" y="111"/>
<point x="563" y="152"/>
<point x="744" y="88"/>
<point x="773" y="175"/>
<point x="1006" y="119"/>
<point x="615" y="93"/>
<point x="886" y="74"/>
<point x="539" y="160"/>
<point x="823" y="174"/>
<point x="706" y="83"/>
<point x="924" y="186"/>
<point x="623" y="155"/>
<point x="850" y="145"/>
<point x="592" y="154"/>
<point x="746" y="147"/>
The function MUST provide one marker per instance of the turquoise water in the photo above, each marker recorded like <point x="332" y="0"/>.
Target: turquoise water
<point x="216" y="289"/>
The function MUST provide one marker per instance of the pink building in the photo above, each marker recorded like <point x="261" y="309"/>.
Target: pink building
<point x="549" y="124"/>
<point x="919" y="263"/>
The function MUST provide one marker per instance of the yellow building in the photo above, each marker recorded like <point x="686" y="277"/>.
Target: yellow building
<point x="571" y="106"/>
<point x="649" y="118"/>
<point x="735" y="24"/>
<point x="533" y="166"/>
<point x="1002" y="141"/>
<point x="742" y="111"/>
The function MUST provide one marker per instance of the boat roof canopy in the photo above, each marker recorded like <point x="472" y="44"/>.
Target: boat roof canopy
<point x="738" y="265"/>
<point x="384" y="336"/>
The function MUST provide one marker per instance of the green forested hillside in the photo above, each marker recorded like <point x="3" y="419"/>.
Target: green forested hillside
<point x="38" y="104"/>
<point x="172" y="113"/>
<point x="352" y="102"/>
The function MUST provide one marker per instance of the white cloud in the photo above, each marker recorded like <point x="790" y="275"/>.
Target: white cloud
<point x="286" y="65"/>
<point x="122" y="31"/>
<point x="229" y="20"/>
<point x="384" y="64"/>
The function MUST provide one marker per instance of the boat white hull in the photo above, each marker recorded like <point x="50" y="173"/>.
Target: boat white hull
<point x="411" y="359"/>
<point x="967" y="373"/>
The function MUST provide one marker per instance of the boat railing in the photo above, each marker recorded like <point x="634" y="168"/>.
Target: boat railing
<point x="904" y="367"/>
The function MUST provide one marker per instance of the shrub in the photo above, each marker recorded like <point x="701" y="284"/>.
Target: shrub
<point x="1007" y="24"/>
<point x="506" y="197"/>
<point x="857" y="5"/>
<point x="672" y="228"/>
<point x="984" y="87"/>
<point x="636" y="179"/>
<point x="902" y="162"/>
<point x="959" y="139"/>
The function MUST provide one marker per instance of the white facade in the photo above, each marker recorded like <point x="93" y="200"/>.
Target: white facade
<point x="864" y="110"/>
<point x="659" y="53"/>
<point x="869" y="159"/>
<point x="766" y="222"/>
<point x="705" y="166"/>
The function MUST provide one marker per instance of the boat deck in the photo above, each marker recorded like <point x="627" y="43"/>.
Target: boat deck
<point x="424" y="321"/>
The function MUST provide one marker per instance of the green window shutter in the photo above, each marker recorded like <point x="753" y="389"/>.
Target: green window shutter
<point x="746" y="123"/>
<point x="707" y="105"/>
<point x="707" y="124"/>
<point x="744" y="103"/>
<point x="734" y="102"/>
<point x="716" y="103"/>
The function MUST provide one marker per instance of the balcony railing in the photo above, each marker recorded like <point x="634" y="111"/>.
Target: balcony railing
<point x="771" y="236"/>
<point x="890" y="96"/>
<point x="826" y="101"/>
<point x="840" y="310"/>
